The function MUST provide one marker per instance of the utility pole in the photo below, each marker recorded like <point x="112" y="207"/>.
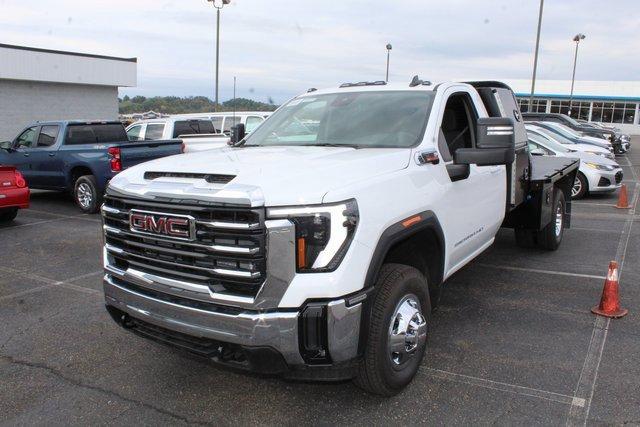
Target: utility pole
<point x="576" y="39"/>
<point x="535" y="57"/>
<point x="218" y="4"/>
<point x="388" y="52"/>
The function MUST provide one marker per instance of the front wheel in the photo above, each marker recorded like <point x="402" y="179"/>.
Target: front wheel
<point x="397" y="332"/>
<point x="580" y="187"/>
<point x="86" y="194"/>
<point x="550" y="237"/>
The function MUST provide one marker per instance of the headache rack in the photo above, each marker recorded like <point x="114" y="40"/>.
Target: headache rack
<point x="227" y="254"/>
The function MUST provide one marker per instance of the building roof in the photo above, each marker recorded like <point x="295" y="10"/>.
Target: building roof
<point x="47" y="65"/>
<point x="583" y="89"/>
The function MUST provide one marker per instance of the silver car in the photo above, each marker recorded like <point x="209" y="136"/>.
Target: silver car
<point x="596" y="174"/>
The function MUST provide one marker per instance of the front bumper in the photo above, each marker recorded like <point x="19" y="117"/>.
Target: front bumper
<point x="284" y="342"/>
<point x="604" y="181"/>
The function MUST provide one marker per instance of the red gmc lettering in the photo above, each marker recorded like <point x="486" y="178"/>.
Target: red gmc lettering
<point x="176" y="227"/>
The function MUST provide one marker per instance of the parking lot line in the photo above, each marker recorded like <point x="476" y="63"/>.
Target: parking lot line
<point x="535" y="270"/>
<point x="50" y="283"/>
<point x="49" y="220"/>
<point x="84" y="216"/>
<point x="578" y="415"/>
<point x="506" y="387"/>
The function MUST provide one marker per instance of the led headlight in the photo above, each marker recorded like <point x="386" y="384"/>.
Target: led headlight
<point x="323" y="233"/>
<point x="599" y="166"/>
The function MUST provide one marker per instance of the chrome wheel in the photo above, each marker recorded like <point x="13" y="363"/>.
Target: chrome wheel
<point x="577" y="187"/>
<point x="407" y="330"/>
<point x="559" y="219"/>
<point x="84" y="195"/>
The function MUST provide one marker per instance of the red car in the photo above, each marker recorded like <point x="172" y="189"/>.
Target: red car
<point x="14" y="193"/>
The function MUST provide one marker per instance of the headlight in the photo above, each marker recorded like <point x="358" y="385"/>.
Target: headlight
<point x="599" y="166"/>
<point x="323" y="233"/>
<point x="609" y="156"/>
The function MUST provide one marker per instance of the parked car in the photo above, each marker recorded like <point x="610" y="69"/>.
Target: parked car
<point x="582" y="130"/>
<point x="196" y="133"/>
<point x="14" y="193"/>
<point x="623" y="138"/>
<point x="316" y="246"/>
<point x="80" y="157"/>
<point x="225" y="121"/>
<point x="577" y="146"/>
<point x="596" y="145"/>
<point x="596" y="174"/>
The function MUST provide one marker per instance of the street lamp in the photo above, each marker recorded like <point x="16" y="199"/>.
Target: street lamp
<point x="389" y="47"/>
<point x="576" y="39"/>
<point x="535" y="57"/>
<point x="218" y="4"/>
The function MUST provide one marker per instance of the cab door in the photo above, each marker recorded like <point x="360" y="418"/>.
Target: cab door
<point x="473" y="198"/>
<point x="46" y="163"/>
<point x="20" y="155"/>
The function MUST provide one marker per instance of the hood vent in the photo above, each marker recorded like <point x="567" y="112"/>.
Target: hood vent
<point x="209" y="177"/>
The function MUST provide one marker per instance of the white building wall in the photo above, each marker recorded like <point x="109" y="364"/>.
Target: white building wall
<point x="23" y="102"/>
<point x="17" y="63"/>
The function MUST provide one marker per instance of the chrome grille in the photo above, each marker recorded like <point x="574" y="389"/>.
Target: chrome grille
<point x="227" y="255"/>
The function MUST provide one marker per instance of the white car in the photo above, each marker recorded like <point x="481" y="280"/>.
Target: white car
<point x="574" y="136"/>
<point x="198" y="133"/>
<point x="584" y="148"/>
<point x="595" y="175"/>
<point x="224" y="121"/>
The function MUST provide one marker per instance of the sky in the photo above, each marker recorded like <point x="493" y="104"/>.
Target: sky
<point x="279" y="48"/>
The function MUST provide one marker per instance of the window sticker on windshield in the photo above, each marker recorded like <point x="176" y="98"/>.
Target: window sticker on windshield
<point x="294" y="103"/>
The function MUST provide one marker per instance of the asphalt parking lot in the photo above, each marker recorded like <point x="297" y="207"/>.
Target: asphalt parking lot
<point x="513" y="341"/>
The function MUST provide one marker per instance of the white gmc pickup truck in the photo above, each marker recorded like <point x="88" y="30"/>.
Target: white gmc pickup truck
<point x="317" y="246"/>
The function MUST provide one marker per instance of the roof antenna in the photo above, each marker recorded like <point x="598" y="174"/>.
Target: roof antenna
<point x="415" y="81"/>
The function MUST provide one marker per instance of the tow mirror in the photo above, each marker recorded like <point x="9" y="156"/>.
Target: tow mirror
<point x="495" y="132"/>
<point x="484" y="156"/>
<point x="237" y="133"/>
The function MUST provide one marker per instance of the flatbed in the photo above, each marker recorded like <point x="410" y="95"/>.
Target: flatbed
<point x="549" y="169"/>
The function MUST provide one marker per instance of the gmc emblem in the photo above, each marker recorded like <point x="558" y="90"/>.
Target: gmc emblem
<point x="154" y="223"/>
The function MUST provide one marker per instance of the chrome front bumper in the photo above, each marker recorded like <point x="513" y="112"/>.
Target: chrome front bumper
<point x="278" y="330"/>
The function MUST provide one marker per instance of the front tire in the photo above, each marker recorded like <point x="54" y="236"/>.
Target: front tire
<point x="550" y="237"/>
<point x="580" y="187"/>
<point x="8" y="215"/>
<point x="397" y="334"/>
<point x="86" y="194"/>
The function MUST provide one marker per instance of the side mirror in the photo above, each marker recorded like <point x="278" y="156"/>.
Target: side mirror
<point x="6" y="145"/>
<point x="495" y="132"/>
<point x="537" y="152"/>
<point x="237" y="133"/>
<point x="484" y="156"/>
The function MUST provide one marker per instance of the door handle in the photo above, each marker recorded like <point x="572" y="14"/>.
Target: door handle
<point x="25" y="154"/>
<point x="52" y="154"/>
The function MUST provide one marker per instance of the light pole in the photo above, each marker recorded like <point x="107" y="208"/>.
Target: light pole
<point x="535" y="57"/>
<point x="218" y="4"/>
<point x="576" y="39"/>
<point x="389" y="47"/>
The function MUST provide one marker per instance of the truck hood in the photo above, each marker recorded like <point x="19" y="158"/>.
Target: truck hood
<point x="262" y="176"/>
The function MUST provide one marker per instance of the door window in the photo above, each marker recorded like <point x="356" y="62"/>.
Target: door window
<point x="26" y="138"/>
<point x="217" y="124"/>
<point x="458" y="125"/>
<point x="134" y="133"/>
<point x="154" y="131"/>
<point x="48" y="135"/>
<point x="229" y="122"/>
<point x="252" y="123"/>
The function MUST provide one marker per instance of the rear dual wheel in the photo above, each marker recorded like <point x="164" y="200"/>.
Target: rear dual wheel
<point x="549" y="237"/>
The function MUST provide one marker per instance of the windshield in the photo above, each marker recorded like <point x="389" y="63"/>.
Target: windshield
<point x="562" y="129"/>
<point x="548" y="143"/>
<point x="355" y="119"/>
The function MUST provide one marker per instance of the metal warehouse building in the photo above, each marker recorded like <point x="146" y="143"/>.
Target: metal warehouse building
<point x="615" y="103"/>
<point x="42" y="84"/>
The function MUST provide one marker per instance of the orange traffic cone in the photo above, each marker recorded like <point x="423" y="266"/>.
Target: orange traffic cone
<point x="610" y="300"/>
<point x="623" y="202"/>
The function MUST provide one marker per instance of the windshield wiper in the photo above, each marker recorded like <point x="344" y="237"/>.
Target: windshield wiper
<point x="328" y="144"/>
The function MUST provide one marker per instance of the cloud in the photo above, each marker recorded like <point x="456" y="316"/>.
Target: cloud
<point x="278" y="48"/>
